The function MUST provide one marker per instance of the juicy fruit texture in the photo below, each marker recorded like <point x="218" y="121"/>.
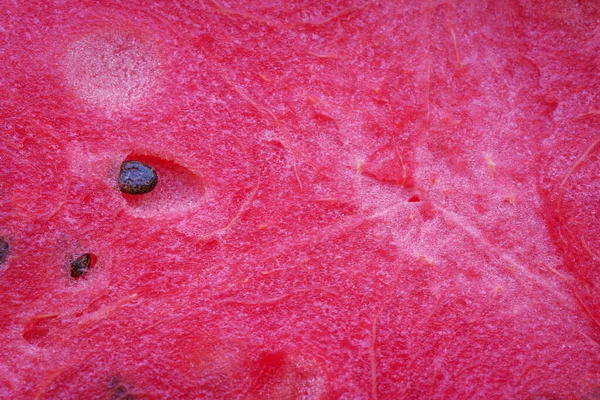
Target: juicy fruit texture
<point x="357" y="200"/>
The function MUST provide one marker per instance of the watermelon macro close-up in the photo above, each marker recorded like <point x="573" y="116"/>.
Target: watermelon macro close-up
<point x="304" y="199"/>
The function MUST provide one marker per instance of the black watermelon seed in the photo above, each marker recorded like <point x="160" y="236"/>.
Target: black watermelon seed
<point x="3" y="250"/>
<point x="80" y="265"/>
<point x="137" y="178"/>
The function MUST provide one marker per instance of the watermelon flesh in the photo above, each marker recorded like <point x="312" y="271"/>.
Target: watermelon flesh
<point x="356" y="200"/>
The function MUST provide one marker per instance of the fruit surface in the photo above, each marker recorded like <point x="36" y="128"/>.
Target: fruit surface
<point x="355" y="199"/>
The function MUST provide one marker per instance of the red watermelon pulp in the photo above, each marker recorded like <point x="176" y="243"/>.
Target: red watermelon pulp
<point x="356" y="200"/>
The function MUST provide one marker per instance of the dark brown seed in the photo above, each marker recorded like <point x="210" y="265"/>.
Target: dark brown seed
<point x="80" y="265"/>
<point x="119" y="391"/>
<point x="137" y="178"/>
<point x="3" y="250"/>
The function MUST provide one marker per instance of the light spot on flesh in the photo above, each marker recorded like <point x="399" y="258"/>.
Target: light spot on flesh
<point x="111" y="69"/>
<point x="491" y="164"/>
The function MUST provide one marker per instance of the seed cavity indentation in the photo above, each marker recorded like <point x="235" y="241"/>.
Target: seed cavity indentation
<point x="137" y="178"/>
<point x="180" y="189"/>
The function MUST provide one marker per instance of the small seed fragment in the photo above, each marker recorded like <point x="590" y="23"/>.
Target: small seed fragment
<point x="81" y="265"/>
<point x="4" y="249"/>
<point x="137" y="178"/>
<point x="119" y="391"/>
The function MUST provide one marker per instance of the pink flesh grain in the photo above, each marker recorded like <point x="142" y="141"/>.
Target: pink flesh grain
<point x="279" y="256"/>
